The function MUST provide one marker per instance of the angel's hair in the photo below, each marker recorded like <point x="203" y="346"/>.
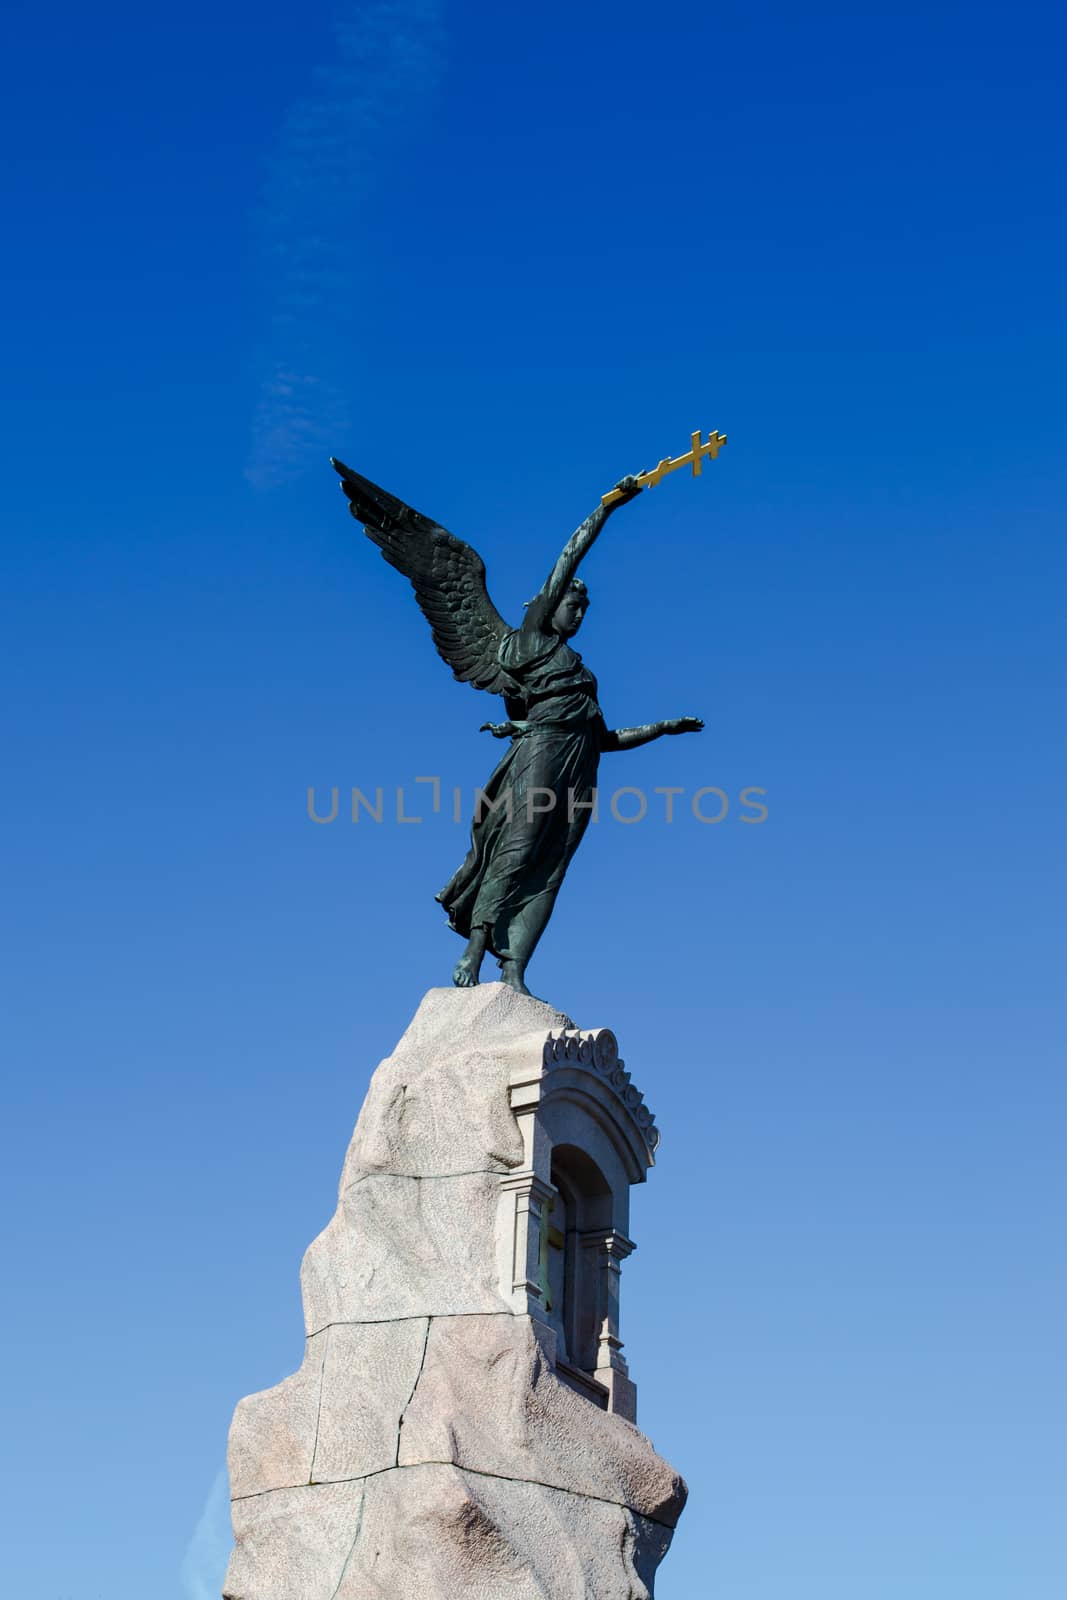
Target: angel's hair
<point x="576" y="586"/>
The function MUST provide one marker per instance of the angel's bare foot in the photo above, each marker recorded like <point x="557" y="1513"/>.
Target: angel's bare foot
<point x="513" y="973"/>
<point x="465" y="973"/>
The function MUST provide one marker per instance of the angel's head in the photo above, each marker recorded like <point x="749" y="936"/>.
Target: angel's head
<point x="567" y="617"/>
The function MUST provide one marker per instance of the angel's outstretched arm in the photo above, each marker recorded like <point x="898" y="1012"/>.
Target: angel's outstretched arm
<point x="630" y="738"/>
<point x="577" y="547"/>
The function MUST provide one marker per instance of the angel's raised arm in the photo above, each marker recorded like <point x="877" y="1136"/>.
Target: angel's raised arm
<point x="574" y="551"/>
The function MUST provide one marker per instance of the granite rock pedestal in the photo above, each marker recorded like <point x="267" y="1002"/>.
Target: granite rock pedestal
<point x="464" y="1421"/>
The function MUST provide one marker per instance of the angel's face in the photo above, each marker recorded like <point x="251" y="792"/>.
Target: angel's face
<point x="567" y="617"/>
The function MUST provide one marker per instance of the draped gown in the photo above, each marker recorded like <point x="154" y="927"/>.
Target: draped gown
<point x="519" y="853"/>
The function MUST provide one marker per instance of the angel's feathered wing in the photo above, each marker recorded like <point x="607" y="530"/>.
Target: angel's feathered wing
<point x="448" y="578"/>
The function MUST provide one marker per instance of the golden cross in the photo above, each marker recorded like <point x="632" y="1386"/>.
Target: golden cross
<point x="551" y="1239"/>
<point x="695" y="454"/>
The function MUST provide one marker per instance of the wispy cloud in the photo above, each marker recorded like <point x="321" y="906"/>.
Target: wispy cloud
<point x="335" y="147"/>
<point x="204" y="1565"/>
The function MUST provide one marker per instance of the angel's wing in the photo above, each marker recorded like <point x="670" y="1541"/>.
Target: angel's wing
<point x="448" y="578"/>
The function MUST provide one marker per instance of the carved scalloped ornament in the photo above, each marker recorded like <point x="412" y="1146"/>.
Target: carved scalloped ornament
<point x="597" y="1049"/>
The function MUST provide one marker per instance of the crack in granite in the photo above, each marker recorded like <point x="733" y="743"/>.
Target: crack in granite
<point x="475" y="1472"/>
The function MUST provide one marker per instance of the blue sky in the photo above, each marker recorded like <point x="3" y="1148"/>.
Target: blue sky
<point x="495" y="258"/>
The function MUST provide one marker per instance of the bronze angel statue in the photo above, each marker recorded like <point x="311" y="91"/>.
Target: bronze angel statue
<point x="532" y="813"/>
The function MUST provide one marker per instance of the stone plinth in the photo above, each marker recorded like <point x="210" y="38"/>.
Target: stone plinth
<point x="463" y="1420"/>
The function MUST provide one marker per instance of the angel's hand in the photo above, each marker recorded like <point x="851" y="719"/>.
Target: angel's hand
<point x="499" y="730"/>
<point x="627" y="489"/>
<point x="683" y="725"/>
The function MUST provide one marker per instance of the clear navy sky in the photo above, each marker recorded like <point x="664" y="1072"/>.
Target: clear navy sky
<point x="495" y="256"/>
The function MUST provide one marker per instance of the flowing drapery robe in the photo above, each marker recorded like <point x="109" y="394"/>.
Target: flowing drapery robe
<point x="519" y="853"/>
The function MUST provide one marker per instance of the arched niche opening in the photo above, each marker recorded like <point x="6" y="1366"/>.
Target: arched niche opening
<point x="564" y="1214"/>
<point x="579" y="1218"/>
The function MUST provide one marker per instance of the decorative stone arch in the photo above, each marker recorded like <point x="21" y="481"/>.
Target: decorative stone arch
<point x="565" y="1214"/>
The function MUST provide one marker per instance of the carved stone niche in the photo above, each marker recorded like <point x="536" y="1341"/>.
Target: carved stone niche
<point x="564" y="1216"/>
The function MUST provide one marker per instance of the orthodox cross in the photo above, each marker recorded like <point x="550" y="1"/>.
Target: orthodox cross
<point x="551" y="1239"/>
<point x="695" y="454"/>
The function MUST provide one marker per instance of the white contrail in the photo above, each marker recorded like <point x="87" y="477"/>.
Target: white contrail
<point x="204" y="1564"/>
<point x="336" y="146"/>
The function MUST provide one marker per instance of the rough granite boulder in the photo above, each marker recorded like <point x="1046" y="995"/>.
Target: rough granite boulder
<point x="427" y="1448"/>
